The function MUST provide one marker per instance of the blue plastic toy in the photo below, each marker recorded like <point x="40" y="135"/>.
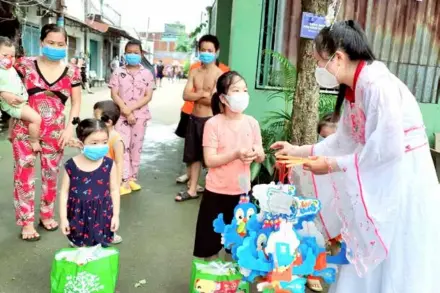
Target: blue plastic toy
<point x="297" y="285"/>
<point x="234" y="233"/>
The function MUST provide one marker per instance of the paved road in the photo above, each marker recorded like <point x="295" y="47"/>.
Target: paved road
<point x="158" y="233"/>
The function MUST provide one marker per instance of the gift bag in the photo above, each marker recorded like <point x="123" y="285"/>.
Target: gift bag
<point x="85" y="270"/>
<point x="216" y="277"/>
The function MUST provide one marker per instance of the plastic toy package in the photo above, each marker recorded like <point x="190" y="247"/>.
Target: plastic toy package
<point x="279" y="247"/>
<point x="217" y="277"/>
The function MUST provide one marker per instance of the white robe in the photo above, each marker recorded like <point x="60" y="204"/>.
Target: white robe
<point x="385" y="201"/>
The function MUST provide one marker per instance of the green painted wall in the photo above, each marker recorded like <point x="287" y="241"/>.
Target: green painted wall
<point x="243" y="53"/>
<point x="431" y="116"/>
<point x="223" y="28"/>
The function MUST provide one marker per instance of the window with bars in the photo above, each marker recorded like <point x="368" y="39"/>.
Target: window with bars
<point x="31" y="39"/>
<point x="278" y="44"/>
<point x="71" y="47"/>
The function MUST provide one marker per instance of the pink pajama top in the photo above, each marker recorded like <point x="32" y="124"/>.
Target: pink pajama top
<point x="133" y="86"/>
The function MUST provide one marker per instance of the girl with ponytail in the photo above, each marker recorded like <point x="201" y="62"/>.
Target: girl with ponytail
<point x="231" y="142"/>
<point x="385" y="192"/>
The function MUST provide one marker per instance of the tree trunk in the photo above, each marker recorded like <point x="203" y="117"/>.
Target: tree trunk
<point x="305" y="104"/>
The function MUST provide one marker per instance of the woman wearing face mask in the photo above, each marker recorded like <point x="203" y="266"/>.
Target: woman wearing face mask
<point x="50" y="82"/>
<point x="132" y="89"/>
<point x="385" y="196"/>
<point x="231" y="142"/>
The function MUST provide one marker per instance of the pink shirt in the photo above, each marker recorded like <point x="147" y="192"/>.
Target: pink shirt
<point x="133" y="87"/>
<point x="219" y="135"/>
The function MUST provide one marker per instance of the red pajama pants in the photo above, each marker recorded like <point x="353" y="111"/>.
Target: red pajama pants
<point x="24" y="179"/>
<point x="53" y="121"/>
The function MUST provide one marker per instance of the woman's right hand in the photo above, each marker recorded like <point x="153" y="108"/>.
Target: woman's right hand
<point x="65" y="226"/>
<point x="283" y="148"/>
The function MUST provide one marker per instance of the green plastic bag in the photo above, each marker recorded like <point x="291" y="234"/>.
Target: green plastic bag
<point x="216" y="277"/>
<point x="85" y="270"/>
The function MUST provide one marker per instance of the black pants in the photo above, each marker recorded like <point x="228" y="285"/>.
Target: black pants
<point x="193" y="150"/>
<point x="207" y="242"/>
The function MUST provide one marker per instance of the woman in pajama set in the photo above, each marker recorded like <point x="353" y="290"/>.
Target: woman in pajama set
<point x="132" y="89"/>
<point x="49" y="83"/>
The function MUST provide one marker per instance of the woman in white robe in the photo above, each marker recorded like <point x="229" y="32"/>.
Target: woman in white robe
<point x="376" y="178"/>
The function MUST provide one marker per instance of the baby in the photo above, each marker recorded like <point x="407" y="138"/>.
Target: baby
<point x="13" y="94"/>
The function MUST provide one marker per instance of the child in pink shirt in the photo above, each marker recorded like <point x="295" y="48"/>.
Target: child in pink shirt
<point x="231" y="142"/>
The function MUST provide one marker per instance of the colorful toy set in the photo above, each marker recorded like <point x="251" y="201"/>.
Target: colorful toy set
<point x="279" y="246"/>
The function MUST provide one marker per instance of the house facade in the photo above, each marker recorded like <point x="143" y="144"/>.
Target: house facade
<point x="93" y="29"/>
<point x="403" y="33"/>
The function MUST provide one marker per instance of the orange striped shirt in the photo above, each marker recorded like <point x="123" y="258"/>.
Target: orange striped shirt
<point x="189" y="106"/>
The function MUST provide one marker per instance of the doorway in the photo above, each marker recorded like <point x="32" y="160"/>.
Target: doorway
<point x="94" y="56"/>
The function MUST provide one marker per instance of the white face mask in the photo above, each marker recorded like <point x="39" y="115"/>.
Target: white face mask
<point x="238" y="102"/>
<point x="325" y="78"/>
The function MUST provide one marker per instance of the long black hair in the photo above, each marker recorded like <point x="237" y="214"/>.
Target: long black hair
<point x="224" y="82"/>
<point x="349" y="37"/>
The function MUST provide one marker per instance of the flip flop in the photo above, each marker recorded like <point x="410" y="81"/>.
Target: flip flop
<point x="35" y="236"/>
<point x="184" y="196"/>
<point x="199" y="189"/>
<point x="42" y="225"/>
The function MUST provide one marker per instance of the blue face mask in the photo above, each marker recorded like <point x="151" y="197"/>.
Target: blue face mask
<point x="133" y="59"/>
<point x="207" y="57"/>
<point x="95" y="152"/>
<point x="54" y="54"/>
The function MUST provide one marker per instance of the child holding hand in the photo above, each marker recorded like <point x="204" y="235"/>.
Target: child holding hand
<point x="231" y="142"/>
<point x="89" y="205"/>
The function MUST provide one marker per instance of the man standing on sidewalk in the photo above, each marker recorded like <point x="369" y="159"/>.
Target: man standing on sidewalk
<point x="199" y="89"/>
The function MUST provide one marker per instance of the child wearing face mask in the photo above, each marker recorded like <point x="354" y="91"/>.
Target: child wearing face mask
<point x="231" y="142"/>
<point x="326" y="127"/>
<point x="132" y="90"/>
<point x="89" y="204"/>
<point x="13" y="94"/>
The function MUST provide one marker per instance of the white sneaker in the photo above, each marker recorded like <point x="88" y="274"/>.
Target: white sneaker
<point x="182" y="179"/>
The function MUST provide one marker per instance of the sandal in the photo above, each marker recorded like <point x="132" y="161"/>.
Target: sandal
<point x="117" y="239"/>
<point x="31" y="236"/>
<point x="184" y="196"/>
<point x="200" y="189"/>
<point x="49" y="225"/>
<point x="314" y="285"/>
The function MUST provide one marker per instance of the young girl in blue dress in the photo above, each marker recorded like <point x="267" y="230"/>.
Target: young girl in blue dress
<point x="89" y="207"/>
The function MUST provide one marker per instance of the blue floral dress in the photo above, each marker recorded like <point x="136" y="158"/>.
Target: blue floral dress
<point x="89" y="205"/>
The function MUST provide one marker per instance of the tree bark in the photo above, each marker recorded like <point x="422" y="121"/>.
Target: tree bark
<point x="305" y="103"/>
